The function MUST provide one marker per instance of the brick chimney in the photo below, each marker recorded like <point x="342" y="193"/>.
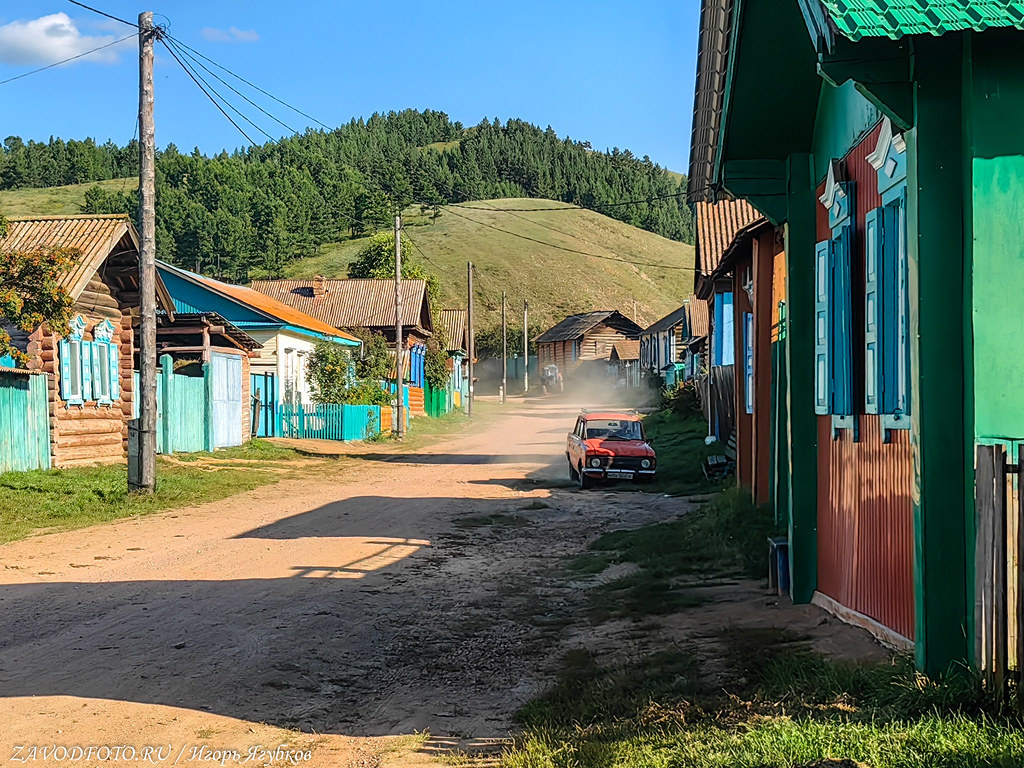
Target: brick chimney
<point x="319" y="286"/>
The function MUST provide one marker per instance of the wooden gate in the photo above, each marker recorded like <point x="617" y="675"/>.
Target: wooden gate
<point x="998" y="567"/>
<point x="227" y="400"/>
<point x="24" y="422"/>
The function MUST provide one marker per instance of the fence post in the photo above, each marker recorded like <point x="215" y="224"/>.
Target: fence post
<point x="989" y="566"/>
<point x="166" y="431"/>
<point x="208" y="437"/>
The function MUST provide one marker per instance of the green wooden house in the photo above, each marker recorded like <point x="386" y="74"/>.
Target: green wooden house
<point x="885" y="137"/>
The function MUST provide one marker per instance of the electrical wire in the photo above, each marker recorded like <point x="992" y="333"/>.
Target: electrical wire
<point x="574" y="206"/>
<point x="103" y="13"/>
<point x="195" y="61"/>
<point x="215" y="102"/>
<point x="65" y="61"/>
<point x="569" y="250"/>
<point x="251" y="85"/>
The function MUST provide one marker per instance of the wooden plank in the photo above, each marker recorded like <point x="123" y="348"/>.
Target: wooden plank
<point x="984" y="501"/>
<point x="999" y="602"/>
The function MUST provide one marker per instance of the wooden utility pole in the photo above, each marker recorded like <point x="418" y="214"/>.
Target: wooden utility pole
<point x="526" y="347"/>
<point x="472" y="342"/>
<point x="144" y="478"/>
<point x="399" y="347"/>
<point x="504" y="350"/>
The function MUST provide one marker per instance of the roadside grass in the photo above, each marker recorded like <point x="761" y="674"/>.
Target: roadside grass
<point x="46" y="501"/>
<point x="723" y="539"/>
<point x="798" y="710"/>
<point x="679" y="444"/>
<point x="254" y="450"/>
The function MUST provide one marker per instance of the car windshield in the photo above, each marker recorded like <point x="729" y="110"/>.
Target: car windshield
<point x="613" y="429"/>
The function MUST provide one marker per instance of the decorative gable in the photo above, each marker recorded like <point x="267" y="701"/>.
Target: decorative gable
<point x="836" y="198"/>
<point x="889" y="157"/>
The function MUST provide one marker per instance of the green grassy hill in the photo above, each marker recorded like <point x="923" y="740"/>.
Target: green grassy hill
<point x="55" y="201"/>
<point x="555" y="282"/>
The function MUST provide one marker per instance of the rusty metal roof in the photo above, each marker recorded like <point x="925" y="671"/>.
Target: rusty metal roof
<point x="98" y="237"/>
<point x="453" y="324"/>
<point x="698" y="309"/>
<point x="625" y="350"/>
<point x="717" y="225"/>
<point x="272" y="306"/>
<point x="354" y="303"/>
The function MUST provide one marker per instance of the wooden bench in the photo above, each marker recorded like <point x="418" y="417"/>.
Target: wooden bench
<point x="720" y="465"/>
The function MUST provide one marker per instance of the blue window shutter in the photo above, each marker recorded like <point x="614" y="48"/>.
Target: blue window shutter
<point x="842" y="325"/>
<point x="822" y="328"/>
<point x="748" y="356"/>
<point x="97" y="376"/>
<point x="873" y="317"/>
<point x="86" y="356"/>
<point x="115" y="372"/>
<point x="903" y="306"/>
<point x="65" y="370"/>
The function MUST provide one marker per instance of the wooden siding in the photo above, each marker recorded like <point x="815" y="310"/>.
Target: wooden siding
<point x="89" y="433"/>
<point x="865" y="508"/>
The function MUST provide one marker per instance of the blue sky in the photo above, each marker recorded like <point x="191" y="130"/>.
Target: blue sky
<point x="608" y="72"/>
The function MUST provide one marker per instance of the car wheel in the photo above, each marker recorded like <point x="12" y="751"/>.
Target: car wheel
<point x="585" y="482"/>
<point x="573" y="474"/>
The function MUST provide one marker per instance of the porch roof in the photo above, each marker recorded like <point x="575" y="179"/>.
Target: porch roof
<point x="856" y="19"/>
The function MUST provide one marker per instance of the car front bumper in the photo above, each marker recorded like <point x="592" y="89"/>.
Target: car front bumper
<point x="602" y="473"/>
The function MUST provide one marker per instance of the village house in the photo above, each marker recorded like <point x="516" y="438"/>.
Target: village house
<point x="583" y="339"/>
<point x="665" y="347"/>
<point x="894" y="174"/>
<point x="286" y="335"/>
<point x="89" y="386"/>
<point x="456" y="335"/>
<point x="363" y="305"/>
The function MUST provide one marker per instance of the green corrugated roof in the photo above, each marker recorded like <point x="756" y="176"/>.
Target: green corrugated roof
<point x="895" y="18"/>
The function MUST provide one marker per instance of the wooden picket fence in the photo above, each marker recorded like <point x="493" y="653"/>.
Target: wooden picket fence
<point x="999" y="567"/>
<point x="328" y="421"/>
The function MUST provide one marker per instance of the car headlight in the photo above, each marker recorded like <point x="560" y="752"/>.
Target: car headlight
<point x="646" y="463"/>
<point x="595" y="462"/>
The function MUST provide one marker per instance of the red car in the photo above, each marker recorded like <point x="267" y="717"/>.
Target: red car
<point x="609" y="446"/>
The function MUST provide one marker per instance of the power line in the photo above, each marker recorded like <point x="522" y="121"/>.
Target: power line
<point x="572" y="206"/>
<point x="568" y="250"/>
<point x="201" y="88"/>
<point x="251" y="85"/>
<point x="193" y="60"/>
<point x="65" y="61"/>
<point x="103" y="13"/>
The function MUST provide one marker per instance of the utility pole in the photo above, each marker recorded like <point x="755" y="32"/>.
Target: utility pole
<point x="399" y="351"/>
<point x="526" y="348"/>
<point x="472" y="341"/>
<point x="144" y="478"/>
<point x="504" y="350"/>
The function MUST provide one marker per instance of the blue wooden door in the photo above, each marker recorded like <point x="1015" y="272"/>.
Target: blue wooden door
<point x="263" y="390"/>
<point x="227" y="400"/>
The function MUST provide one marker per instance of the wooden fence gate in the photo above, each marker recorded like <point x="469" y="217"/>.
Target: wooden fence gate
<point x="227" y="399"/>
<point x="24" y="422"/>
<point x="998" y="567"/>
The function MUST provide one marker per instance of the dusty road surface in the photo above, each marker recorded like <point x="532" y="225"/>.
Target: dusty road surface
<point x="393" y="594"/>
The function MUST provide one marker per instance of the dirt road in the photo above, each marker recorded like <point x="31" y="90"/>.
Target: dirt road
<point x="401" y="593"/>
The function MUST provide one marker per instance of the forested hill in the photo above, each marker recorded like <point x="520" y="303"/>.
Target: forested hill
<point x="254" y="211"/>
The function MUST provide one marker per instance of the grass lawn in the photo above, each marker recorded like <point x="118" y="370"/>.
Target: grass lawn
<point x="64" y="499"/>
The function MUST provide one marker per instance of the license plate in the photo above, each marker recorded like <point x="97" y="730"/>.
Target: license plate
<point x="620" y="474"/>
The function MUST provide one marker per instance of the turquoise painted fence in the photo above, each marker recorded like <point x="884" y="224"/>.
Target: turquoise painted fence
<point x="436" y="402"/>
<point x="328" y="422"/>
<point x="24" y="422"/>
<point x="183" y="416"/>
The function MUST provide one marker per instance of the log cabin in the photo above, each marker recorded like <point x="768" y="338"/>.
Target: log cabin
<point x="584" y="338"/>
<point x="90" y="388"/>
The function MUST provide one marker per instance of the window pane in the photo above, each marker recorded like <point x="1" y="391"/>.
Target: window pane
<point x="75" y="367"/>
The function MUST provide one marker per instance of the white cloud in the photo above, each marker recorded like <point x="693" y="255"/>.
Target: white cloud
<point x="49" y="39"/>
<point x="230" y="35"/>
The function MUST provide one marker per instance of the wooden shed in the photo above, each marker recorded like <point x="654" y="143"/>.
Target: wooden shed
<point x="89" y="371"/>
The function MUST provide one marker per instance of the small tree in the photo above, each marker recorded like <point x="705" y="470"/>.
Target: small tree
<point x="31" y="292"/>
<point x="435" y="364"/>
<point x="376" y="359"/>
<point x="329" y="373"/>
